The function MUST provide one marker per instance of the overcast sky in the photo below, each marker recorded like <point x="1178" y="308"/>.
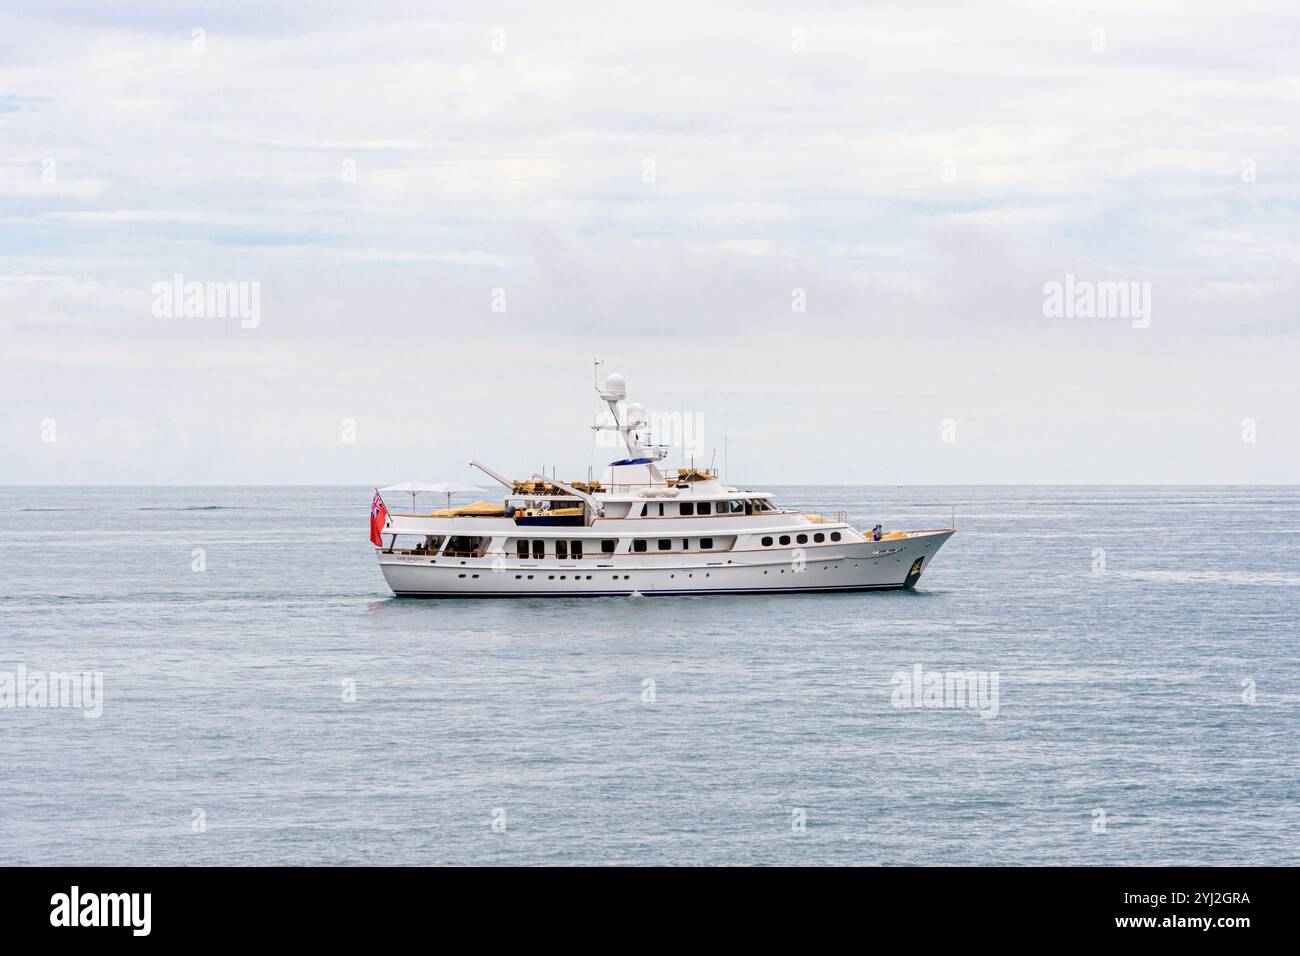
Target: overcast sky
<point x="824" y="234"/>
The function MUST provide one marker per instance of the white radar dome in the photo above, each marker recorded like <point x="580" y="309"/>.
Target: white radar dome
<point x="636" y="413"/>
<point x="615" y="389"/>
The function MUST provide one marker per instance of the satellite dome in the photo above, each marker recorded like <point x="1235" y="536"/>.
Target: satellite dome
<point x="615" y="389"/>
<point x="636" y="413"/>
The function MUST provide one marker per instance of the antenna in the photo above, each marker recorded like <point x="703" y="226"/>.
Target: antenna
<point x="726" y="472"/>
<point x="595" y="372"/>
<point x="681" y="455"/>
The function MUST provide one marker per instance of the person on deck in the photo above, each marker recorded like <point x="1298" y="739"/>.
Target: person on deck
<point x="875" y="532"/>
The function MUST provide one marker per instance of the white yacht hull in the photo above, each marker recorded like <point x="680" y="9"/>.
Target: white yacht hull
<point x="849" y="566"/>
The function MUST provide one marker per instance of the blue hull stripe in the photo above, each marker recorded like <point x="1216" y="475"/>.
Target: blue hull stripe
<point x="664" y="593"/>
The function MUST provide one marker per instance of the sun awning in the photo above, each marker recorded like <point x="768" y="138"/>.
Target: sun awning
<point x="447" y="488"/>
<point x="438" y="487"/>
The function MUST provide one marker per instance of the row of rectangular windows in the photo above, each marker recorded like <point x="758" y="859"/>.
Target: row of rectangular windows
<point x="567" y="549"/>
<point x="573" y="549"/>
<point x="688" y="509"/>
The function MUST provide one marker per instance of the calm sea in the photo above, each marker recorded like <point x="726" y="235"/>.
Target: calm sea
<point x="265" y="700"/>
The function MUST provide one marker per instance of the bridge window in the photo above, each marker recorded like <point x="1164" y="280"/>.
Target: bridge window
<point x="638" y="545"/>
<point x="665" y="544"/>
<point x="687" y="509"/>
<point x="608" y="545"/>
<point x="562" y="550"/>
<point x="706" y="544"/>
<point x="539" y="549"/>
<point x="522" y="547"/>
<point x="575" y="548"/>
<point x="705" y="507"/>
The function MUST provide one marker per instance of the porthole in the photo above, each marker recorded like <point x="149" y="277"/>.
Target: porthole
<point x="835" y="536"/>
<point x="767" y="542"/>
<point x="785" y="539"/>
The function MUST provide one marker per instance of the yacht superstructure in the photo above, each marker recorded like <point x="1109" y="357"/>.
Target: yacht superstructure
<point x="640" y="529"/>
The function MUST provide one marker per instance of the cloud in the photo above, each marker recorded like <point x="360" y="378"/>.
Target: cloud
<point x="666" y="188"/>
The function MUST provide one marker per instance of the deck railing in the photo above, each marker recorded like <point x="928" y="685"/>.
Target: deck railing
<point x="831" y="517"/>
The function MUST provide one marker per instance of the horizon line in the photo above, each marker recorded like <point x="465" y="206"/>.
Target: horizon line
<point x="754" y="486"/>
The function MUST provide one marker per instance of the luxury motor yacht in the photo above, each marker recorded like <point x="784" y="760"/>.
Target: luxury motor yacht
<point x="640" y="529"/>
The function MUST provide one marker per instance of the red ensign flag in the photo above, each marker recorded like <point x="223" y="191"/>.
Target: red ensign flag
<point x="378" y="515"/>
